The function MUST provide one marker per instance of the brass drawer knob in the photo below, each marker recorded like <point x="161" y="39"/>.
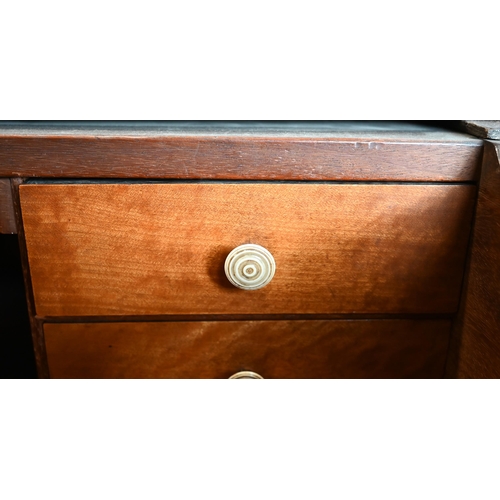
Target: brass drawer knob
<point x="250" y="267"/>
<point x="246" y="375"/>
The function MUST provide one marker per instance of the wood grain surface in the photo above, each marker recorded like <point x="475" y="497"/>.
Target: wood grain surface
<point x="250" y="158"/>
<point x="475" y="345"/>
<point x="7" y="217"/>
<point x="273" y="349"/>
<point x="153" y="249"/>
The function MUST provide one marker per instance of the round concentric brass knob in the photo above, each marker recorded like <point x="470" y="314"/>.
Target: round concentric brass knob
<point x="246" y="375"/>
<point x="250" y="267"/>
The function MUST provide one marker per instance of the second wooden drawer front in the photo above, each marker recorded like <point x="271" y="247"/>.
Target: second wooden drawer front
<point x="273" y="349"/>
<point x="153" y="249"/>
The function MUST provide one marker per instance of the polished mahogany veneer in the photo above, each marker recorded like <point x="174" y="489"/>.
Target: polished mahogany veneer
<point x="152" y="249"/>
<point x="272" y="349"/>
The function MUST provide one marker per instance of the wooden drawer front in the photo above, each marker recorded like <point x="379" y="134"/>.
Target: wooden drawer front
<point x="273" y="349"/>
<point x="152" y="249"/>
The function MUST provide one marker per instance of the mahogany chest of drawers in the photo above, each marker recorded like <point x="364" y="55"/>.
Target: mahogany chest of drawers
<point x="126" y="231"/>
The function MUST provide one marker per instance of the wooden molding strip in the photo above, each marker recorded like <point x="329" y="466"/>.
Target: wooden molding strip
<point x="239" y="158"/>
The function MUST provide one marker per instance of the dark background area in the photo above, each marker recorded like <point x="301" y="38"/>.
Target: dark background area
<point x="17" y="359"/>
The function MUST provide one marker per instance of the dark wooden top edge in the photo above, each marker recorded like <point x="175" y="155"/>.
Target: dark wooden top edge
<point x="238" y="158"/>
<point x="290" y="130"/>
<point x="242" y="157"/>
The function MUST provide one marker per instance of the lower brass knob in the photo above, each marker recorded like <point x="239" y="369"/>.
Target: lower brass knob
<point x="246" y="374"/>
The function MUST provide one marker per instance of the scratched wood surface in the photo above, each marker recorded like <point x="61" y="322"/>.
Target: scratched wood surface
<point x="273" y="349"/>
<point x="251" y="151"/>
<point x="475" y="344"/>
<point x="153" y="249"/>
